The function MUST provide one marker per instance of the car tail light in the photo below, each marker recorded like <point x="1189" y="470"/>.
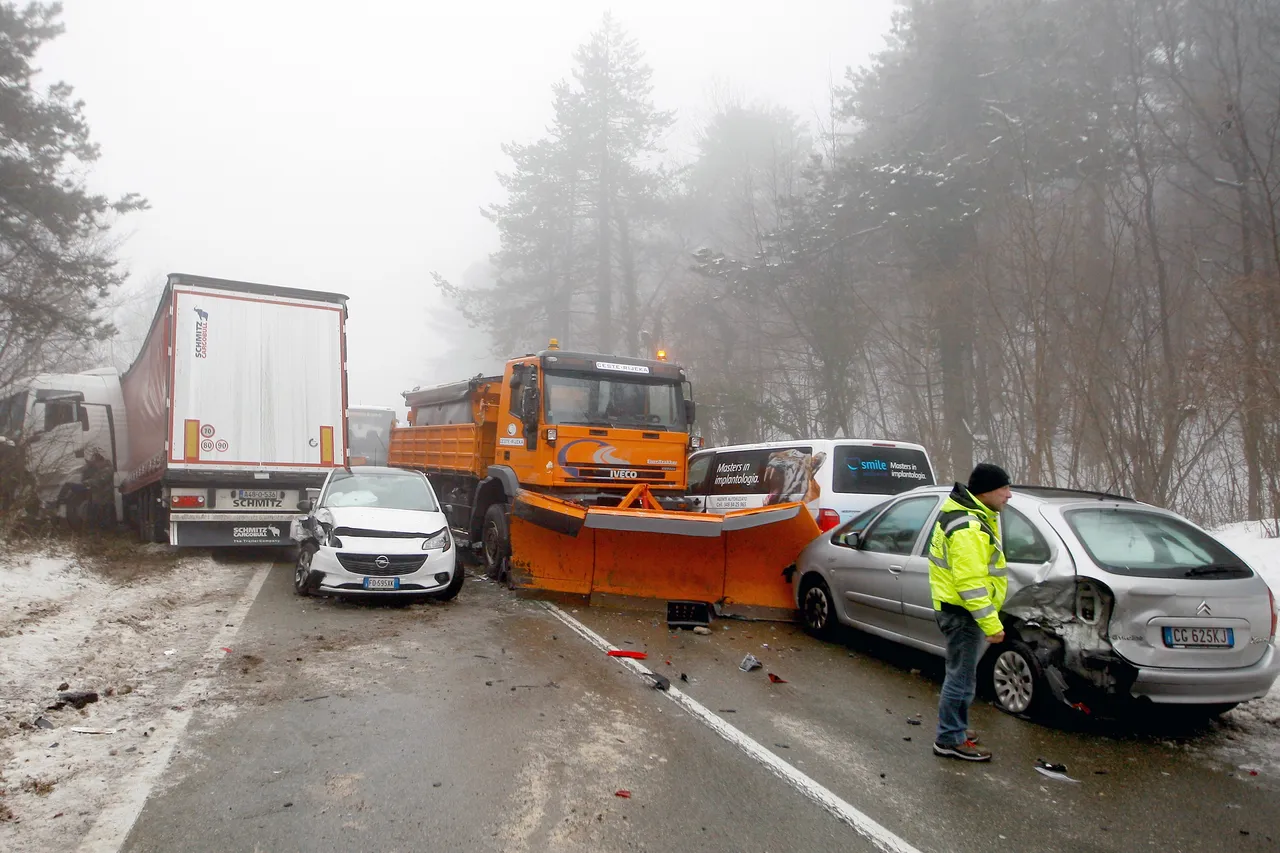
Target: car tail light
<point x="828" y="519"/>
<point x="187" y="501"/>
<point x="1271" y="597"/>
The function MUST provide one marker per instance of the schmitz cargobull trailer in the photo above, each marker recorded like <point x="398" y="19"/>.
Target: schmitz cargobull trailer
<point x="236" y="405"/>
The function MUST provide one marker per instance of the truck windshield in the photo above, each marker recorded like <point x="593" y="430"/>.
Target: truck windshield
<point x="13" y="414"/>
<point x="585" y="398"/>
<point x="369" y="434"/>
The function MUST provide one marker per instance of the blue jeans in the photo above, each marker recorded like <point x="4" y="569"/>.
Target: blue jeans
<point x="965" y="644"/>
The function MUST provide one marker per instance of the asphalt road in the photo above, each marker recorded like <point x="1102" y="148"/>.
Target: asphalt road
<point x="487" y="724"/>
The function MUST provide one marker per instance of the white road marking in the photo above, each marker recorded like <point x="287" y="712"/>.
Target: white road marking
<point x="862" y="823"/>
<point x="109" y="831"/>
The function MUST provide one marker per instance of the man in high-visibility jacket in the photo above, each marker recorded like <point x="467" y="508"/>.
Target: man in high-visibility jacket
<point x="967" y="577"/>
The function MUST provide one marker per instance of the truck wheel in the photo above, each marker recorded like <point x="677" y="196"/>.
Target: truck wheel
<point x="142" y="515"/>
<point x="160" y="523"/>
<point x="497" y="541"/>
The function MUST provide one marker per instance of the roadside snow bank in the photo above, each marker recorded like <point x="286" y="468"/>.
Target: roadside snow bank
<point x="131" y="626"/>
<point x="1259" y="720"/>
<point x="1252" y="540"/>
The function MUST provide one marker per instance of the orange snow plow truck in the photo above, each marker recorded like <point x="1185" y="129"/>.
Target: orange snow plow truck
<point x="568" y="473"/>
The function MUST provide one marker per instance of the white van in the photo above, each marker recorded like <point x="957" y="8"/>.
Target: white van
<point x="837" y="478"/>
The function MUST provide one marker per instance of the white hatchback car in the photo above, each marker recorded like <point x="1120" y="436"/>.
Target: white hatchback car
<point x="375" y="531"/>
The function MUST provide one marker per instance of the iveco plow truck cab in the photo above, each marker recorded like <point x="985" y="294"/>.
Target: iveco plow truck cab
<point x="590" y="427"/>
<point x="581" y="427"/>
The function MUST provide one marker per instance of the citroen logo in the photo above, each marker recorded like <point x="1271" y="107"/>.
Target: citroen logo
<point x="383" y="562"/>
<point x="1204" y="609"/>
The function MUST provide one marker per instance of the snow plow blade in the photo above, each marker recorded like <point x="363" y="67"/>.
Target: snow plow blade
<point x="735" y="560"/>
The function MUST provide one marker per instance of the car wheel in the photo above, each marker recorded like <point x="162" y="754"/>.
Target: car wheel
<point x="496" y="541"/>
<point x="302" y="570"/>
<point x="451" y="591"/>
<point x="1016" y="678"/>
<point x="817" y="608"/>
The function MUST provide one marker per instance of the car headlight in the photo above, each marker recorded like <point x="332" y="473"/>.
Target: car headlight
<point x="440" y="541"/>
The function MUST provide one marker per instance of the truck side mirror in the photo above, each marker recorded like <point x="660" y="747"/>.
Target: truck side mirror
<point x="690" y="412"/>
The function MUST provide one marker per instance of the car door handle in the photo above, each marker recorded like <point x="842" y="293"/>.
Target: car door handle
<point x="895" y="570"/>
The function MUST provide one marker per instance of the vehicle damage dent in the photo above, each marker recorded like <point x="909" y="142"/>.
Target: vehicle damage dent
<point x="1065" y="621"/>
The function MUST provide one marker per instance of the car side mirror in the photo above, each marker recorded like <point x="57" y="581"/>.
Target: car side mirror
<point x="305" y="505"/>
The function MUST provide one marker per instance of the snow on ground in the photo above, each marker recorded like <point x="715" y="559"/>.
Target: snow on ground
<point x="131" y="627"/>
<point x="1254" y="727"/>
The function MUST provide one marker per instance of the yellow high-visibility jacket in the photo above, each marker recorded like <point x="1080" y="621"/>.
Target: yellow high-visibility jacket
<point x="966" y="560"/>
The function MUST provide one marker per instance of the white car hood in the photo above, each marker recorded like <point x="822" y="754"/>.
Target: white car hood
<point x="386" y="520"/>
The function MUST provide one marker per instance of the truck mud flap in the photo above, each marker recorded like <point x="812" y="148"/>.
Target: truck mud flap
<point x="216" y="534"/>
<point x="733" y="560"/>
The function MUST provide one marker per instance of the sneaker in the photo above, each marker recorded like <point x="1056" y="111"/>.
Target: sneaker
<point x="971" y="736"/>
<point x="967" y="751"/>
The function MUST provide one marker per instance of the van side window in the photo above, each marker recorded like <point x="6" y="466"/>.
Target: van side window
<point x="698" y="469"/>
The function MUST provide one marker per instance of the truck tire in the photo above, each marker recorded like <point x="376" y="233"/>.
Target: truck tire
<point x="142" y="516"/>
<point x="496" y="541"/>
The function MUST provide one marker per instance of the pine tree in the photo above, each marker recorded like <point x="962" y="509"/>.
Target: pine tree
<point x="56" y="266"/>
<point x="579" y="202"/>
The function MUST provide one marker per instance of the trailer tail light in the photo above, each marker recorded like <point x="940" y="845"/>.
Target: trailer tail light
<point x="828" y="519"/>
<point x="187" y="501"/>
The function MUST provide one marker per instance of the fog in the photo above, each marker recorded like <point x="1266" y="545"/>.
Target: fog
<point x="327" y="146"/>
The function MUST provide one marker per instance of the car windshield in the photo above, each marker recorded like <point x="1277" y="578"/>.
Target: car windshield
<point x="386" y="491"/>
<point x="1147" y="544"/>
<point x="582" y="398"/>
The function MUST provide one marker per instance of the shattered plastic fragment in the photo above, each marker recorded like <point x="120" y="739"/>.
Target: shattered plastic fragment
<point x="776" y="680"/>
<point x="749" y="664"/>
<point x="626" y="795"/>
<point x="627" y="653"/>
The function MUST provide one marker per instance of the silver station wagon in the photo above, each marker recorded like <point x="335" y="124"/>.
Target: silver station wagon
<point x="1108" y="598"/>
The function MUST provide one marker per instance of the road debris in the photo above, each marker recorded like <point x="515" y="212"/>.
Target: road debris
<point x="750" y="664"/>
<point x="76" y="699"/>
<point x="81" y="730"/>
<point x="660" y="682"/>
<point x="703" y="630"/>
<point x="170" y="651"/>
<point x="64" y="686"/>
<point x="1054" y="771"/>
<point x="624" y="794"/>
<point x="773" y="679"/>
<point x="627" y="653"/>
<point x="42" y="723"/>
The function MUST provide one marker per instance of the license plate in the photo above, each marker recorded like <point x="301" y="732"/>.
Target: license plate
<point x="382" y="583"/>
<point x="259" y="493"/>
<point x="1199" y="638"/>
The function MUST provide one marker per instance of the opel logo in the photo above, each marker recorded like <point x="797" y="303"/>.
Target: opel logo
<point x="381" y="562"/>
<point x="1204" y="609"/>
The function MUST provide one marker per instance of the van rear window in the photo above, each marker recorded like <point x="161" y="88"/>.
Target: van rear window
<point x="861" y="470"/>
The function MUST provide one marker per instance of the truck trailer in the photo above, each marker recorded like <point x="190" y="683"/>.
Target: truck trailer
<point x="236" y="405"/>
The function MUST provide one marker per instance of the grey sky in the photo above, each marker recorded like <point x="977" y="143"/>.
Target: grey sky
<point x="348" y="147"/>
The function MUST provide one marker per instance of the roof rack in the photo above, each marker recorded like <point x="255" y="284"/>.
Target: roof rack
<point x="1060" y="492"/>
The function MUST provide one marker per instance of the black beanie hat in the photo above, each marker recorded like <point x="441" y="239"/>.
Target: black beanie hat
<point x="987" y="478"/>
